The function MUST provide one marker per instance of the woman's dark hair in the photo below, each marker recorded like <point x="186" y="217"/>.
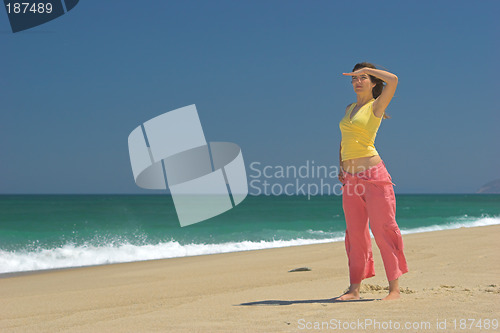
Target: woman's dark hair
<point x="379" y="84"/>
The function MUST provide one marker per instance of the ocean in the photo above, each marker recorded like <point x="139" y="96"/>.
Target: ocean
<point x="40" y="232"/>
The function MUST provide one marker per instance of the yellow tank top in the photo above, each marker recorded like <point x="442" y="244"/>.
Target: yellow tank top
<point x="358" y="133"/>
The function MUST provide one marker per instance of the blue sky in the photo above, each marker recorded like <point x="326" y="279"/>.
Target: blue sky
<point x="266" y="75"/>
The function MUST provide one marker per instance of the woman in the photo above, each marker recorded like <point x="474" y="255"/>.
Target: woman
<point x="367" y="194"/>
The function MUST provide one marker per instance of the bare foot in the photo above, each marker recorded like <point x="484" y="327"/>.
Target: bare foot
<point x="347" y="297"/>
<point x="391" y="296"/>
<point x="352" y="293"/>
<point x="393" y="291"/>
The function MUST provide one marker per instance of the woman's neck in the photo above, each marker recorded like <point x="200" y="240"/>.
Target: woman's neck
<point x="363" y="99"/>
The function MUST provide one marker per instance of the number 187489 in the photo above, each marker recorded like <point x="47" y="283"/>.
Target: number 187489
<point x="27" y="7"/>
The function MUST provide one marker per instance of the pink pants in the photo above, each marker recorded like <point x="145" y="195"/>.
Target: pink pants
<point x="369" y="196"/>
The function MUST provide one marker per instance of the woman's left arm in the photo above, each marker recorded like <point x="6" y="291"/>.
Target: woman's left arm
<point x="385" y="97"/>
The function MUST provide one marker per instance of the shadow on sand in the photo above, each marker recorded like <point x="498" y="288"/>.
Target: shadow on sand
<point x="306" y="301"/>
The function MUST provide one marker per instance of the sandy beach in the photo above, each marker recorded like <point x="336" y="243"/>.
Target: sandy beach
<point x="453" y="286"/>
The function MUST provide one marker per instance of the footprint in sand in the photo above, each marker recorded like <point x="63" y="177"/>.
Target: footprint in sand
<point x="492" y="288"/>
<point x="446" y="286"/>
<point x="370" y="288"/>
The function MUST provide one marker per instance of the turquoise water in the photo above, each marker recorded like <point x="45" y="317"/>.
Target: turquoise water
<point x="53" y="231"/>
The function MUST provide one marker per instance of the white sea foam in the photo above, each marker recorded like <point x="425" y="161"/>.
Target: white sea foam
<point x="460" y="222"/>
<point x="75" y="256"/>
<point x="70" y="255"/>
